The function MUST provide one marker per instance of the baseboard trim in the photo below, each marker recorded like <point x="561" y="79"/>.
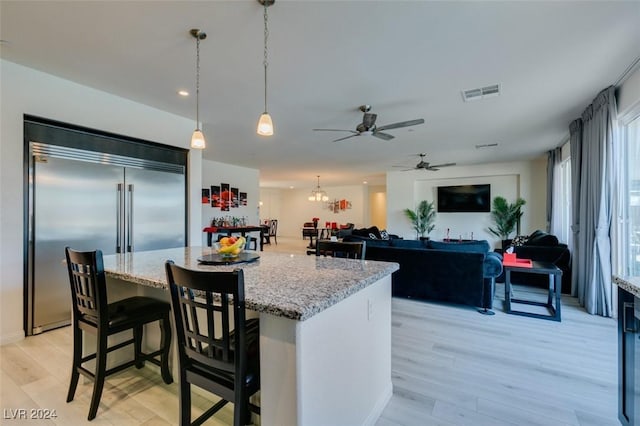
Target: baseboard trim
<point x="379" y="407"/>
<point x="9" y="338"/>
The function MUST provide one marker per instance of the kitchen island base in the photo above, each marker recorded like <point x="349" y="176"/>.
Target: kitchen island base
<point x="332" y="369"/>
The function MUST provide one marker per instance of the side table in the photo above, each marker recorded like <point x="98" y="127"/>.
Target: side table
<point x="555" y="290"/>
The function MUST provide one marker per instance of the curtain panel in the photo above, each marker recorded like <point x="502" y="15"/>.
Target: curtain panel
<point x="554" y="157"/>
<point x="592" y="139"/>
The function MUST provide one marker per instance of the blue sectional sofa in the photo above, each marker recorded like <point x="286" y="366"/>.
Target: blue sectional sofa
<point x="455" y="272"/>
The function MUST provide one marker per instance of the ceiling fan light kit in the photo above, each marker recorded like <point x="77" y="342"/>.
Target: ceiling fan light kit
<point x="368" y="126"/>
<point x="197" y="138"/>
<point x="265" y="123"/>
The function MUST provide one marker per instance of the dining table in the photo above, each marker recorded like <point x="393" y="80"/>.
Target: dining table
<point x="325" y="328"/>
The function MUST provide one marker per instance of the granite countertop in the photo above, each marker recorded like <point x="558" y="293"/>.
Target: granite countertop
<point x="630" y="284"/>
<point x="294" y="286"/>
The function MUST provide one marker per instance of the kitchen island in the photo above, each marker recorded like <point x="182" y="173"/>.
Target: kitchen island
<point x="325" y="329"/>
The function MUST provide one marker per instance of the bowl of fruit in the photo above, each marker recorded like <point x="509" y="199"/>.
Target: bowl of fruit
<point x="230" y="247"/>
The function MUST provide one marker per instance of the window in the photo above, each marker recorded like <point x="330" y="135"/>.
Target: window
<point x="561" y="219"/>
<point x="632" y="202"/>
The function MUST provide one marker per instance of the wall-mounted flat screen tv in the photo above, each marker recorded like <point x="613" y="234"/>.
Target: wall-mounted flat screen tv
<point x="464" y="198"/>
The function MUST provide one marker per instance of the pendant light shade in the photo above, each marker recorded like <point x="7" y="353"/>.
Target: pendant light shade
<point x="197" y="139"/>
<point x="265" y="124"/>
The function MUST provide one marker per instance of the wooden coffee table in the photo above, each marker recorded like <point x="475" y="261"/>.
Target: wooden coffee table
<point x="555" y="289"/>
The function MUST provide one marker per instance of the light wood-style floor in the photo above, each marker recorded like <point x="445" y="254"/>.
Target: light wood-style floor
<point x="450" y="366"/>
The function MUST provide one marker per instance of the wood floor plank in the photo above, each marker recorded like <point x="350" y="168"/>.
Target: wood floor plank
<point x="451" y="366"/>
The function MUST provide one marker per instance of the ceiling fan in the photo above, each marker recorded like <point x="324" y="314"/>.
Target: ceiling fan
<point x="368" y="126"/>
<point x="425" y="165"/>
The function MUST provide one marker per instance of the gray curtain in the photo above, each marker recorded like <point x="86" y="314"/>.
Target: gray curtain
<point x="592" y="248"/>
<point x="553" y="158"/>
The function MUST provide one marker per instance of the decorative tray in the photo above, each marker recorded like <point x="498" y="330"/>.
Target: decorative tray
<point x="522" y="263"/>
<point x="217" y="259"/>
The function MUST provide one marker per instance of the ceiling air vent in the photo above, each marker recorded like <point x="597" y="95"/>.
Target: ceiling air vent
<point x="486" y="145"/>
<point x="481" y="93"/>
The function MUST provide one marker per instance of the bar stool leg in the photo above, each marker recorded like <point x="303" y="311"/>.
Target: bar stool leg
<point x="165" y="344"/>
<point x="101" y="367"/>
<point x="137" y="339"/>
<point x="77" y="356"/>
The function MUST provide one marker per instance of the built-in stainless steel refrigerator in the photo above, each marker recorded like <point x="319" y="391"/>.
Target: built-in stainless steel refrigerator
<point x="90" y="200"/>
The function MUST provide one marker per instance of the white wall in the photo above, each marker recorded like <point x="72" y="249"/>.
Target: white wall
<point x="295" y="208"/>
<point x="526" y="179"/>
<point x="243" y="178"/>
<point x="377" y="212"/>
<point x="629" y="94"/>
<point x="271" y="199"/>
<point x="26" y="91"/>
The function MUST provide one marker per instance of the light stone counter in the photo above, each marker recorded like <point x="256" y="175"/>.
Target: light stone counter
<point x="630" y="284"/>
<point x="325" y="326"/>
<point x="286" y="285"/>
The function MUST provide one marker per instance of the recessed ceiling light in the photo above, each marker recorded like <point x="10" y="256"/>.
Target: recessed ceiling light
<point x="291" y="187"/>
<point x="365" y="182"/>
<point x="183" y="93"/>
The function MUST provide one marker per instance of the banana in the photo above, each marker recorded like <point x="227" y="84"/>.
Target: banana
<point x="234" y="248"/>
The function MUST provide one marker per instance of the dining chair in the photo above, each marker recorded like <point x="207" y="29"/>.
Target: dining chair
<point x="271" y="231"/>
<point x="218" y="348"/>
<point x="350" y="250"/>
<point x="92" y="313"/>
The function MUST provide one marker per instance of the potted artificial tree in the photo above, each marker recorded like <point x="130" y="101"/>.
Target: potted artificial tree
<point x="423" y="218"/>
<point x="506" y="217"/>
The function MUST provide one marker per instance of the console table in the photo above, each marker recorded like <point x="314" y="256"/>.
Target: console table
<point x="555" y="286"/>
<point x="242" y="230"/>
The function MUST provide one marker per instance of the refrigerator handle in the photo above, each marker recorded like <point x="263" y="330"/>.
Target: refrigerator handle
<point x="130" y="219"/>
<point x="119" y="218"/>
<point x="626" y="319"/>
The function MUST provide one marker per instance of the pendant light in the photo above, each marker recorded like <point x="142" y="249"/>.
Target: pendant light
<point x="197" y="139"/>
<point x="317" y="194"/>
<point x="265" y="124"/>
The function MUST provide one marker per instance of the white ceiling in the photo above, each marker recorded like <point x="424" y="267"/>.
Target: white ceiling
<point x="407" y="59"/>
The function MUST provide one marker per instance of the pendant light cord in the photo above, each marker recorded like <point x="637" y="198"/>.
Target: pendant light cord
<point x="198" y="81"/>
<point x="265" y="61"/>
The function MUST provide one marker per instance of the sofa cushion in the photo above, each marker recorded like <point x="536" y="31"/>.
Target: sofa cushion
<point x="372" y="232"/>
<point x="371" y="242"/>
<point x="396" y="242"/>
<point x="519" y="240"/>
<point x="480" y="246"/>
<point x="540" y="238"/>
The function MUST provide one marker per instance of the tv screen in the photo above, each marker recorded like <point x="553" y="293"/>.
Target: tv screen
<point x="464" y="198"/>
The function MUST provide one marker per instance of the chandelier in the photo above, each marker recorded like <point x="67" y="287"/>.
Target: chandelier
<point x="318" y="194"/>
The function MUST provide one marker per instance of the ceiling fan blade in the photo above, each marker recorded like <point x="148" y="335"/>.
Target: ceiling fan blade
<point x="334" y="130"/>
<point x="402" y="124"/>
<point x="443" y="165"/>
<point x="431" y="169"/>
<point x="385" y="136"/>
<point x="347" y="137"/>
<point x="369" y="119"/>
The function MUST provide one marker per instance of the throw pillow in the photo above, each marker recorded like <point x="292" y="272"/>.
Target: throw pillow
<point x="520" y="240"/>
<point x="372" y="236"/>
<point x="375" y="231"/>
<point x="384" y="234"/>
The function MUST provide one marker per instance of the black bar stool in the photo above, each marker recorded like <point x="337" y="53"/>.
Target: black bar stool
<point x="92" y="313"/>
<point x="218" y="348"/>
